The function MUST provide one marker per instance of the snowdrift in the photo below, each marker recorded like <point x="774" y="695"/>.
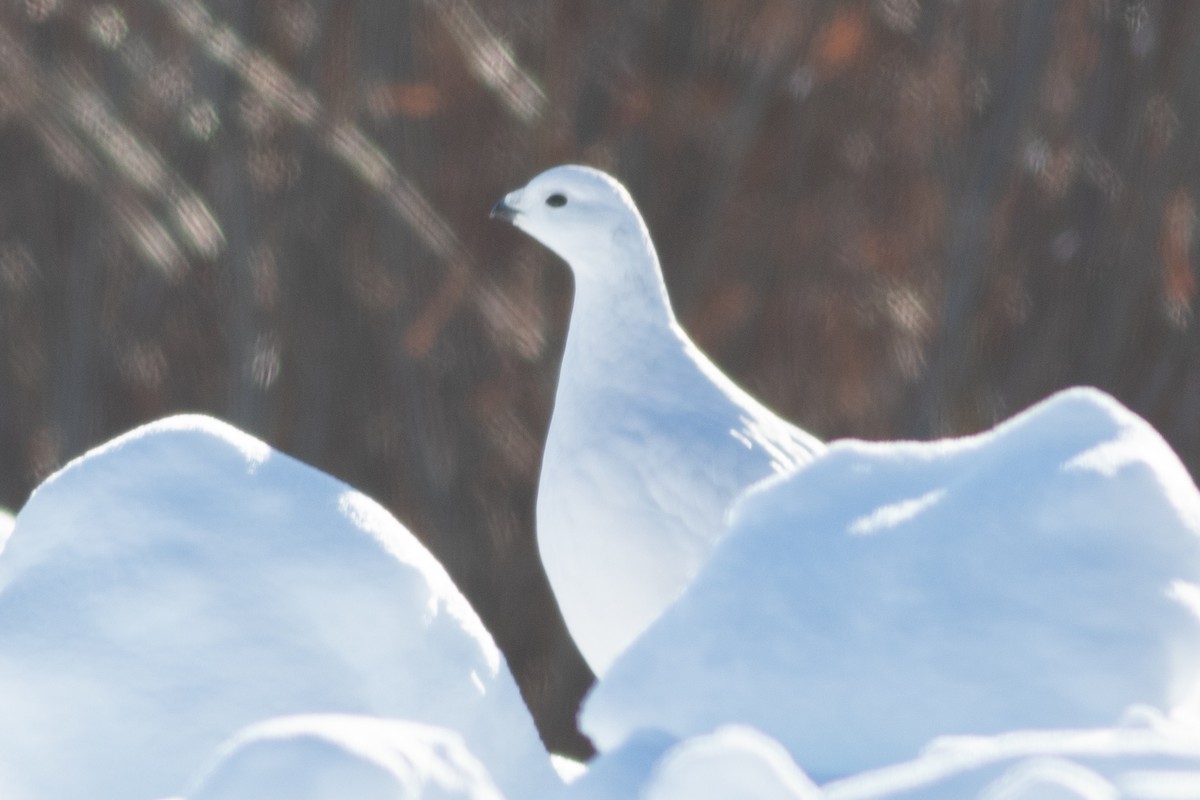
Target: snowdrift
<point x="185" y="580"/>
<point x="335" y="757"/>
<point x="1045" y="574"/>
<point x="185" y="612"/>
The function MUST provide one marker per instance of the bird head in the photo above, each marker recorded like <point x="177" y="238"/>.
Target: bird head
<point x="580" y="213"/>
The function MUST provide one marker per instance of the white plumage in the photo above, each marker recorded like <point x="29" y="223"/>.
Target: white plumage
<point x="649" y="441"/>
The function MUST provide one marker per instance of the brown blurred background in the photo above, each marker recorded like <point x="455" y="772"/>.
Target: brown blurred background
<point x="886" y="219"/>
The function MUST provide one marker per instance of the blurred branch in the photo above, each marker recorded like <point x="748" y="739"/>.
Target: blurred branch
<point x="490" y="59"/>
<point x="341" y="138"/>
<point x="139" y="165"/>
<point x="989" y="163"/>
<point x="346" y="142"/>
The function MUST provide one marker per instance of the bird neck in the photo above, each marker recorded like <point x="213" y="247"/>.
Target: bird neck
<point x="622" y="325"/>
<point x="635" y="304"/>
<point x="621" y="284"/>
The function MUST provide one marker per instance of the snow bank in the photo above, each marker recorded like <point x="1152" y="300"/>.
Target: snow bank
<point x="732" y="762"/>
<point x="1150" y="759"/>
<point x="1156" y="762"/>
<point x="620" y="773"/>
<point x="1041" y="575"/>
<point x="6" y="525"/>
<point x="184" y="581"/>
<point x="334" y="757"/>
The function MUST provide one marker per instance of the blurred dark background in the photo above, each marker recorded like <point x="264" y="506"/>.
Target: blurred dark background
<point x="886" y="219"/>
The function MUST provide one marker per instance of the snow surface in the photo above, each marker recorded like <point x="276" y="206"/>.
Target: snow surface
<point x="649" y="441"/>
<point x="6" y="525"/>
<point x="335" y="757"/>
<point x="1011" y="616"/>
<point x="621" y="772"/>
<point x="731" y="762"/>
<point x="185" y="580"/>
<point x="1041" y="575"/>
<point x="1148" y="759"/>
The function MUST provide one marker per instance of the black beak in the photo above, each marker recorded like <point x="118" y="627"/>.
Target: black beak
<point x="504" y="211"/>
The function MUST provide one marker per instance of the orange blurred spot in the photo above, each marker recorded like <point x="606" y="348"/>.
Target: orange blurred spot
<point x="634" y="106"/>
<point x="416" y="100"/>
<point x="842" y="40"/>
<point x="1174" y="246"/>
<point x="422" y="334"/>
<point x="721" y="312"/>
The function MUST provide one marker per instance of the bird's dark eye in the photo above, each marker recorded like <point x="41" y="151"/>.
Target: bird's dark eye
<point x="556" y="200"/>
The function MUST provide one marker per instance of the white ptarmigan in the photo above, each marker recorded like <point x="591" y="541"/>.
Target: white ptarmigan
<point x="649" y="441"/>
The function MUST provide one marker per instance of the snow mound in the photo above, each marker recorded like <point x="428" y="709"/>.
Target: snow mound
<point x="6" y="525"/>
<point x="620" y="773"/>
<point x="335" y="757"/>
<point x="1151" y="763"/>
<point x="1041" y="575"/>
<point x="732" y="762"/>
<point x="1148" y="759"/>
<point x="185" y="580"/>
